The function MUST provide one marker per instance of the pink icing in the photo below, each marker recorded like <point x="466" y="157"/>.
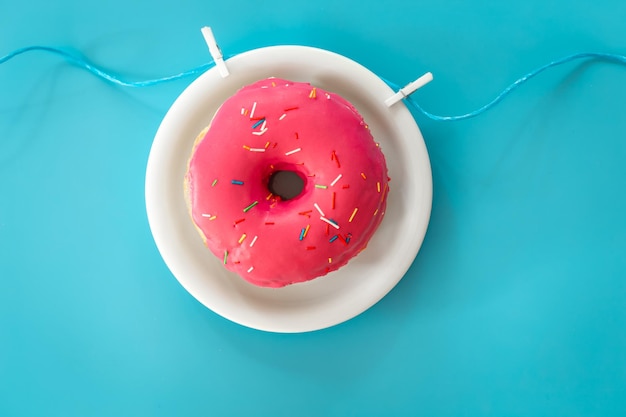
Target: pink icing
<point x="277" y="125"/>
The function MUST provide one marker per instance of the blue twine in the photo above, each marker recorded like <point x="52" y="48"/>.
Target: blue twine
<point x="98" y="72"/>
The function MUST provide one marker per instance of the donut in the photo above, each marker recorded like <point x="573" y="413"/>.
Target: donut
<point x="286" y="184"/>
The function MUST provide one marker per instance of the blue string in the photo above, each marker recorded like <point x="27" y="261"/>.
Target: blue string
<point x="98" y="72"/>
<point x="615" y="58"/>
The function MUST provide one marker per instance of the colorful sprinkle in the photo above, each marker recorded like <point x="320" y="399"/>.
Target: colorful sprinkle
<point x="213" y="218"/>
<point x="332" y="239"/>
<point x="330" y="222"/>
<point x="267" y="144"/>
<point x="297" y="136"/>
<point x="310" y="248"/>
<point x="259" y="123"/>
<point x="293" y="151"/>
<point x="375" y="212"/>
<point x="332" y="202"/>
<point x="330" y="260"/>
<point x="332" y="184"/>
<point x="225" y="256"/>
<point x="319" y="209"/>
<point x="250" y="269"/>
<point x="236" y="182"/>
<point x="283" y="116"/>
<point x="243" y="111"/>
<point x="346" y="186"/>
<point x="205" y="215"/>
<point x="306" y="230"/>
<point x="256" y="149"/>
<point x="305" y="213"/>
<point x="363" y="176"/>
<point x="253" y="109"/>
<point x="250" y="206"/>
<point x="253" y="241"/>
<point x="313" y="93"/>
<point x="246" y="147"/>
<point x="214" y="182"/>
<point x="239" y="221"/>
<point x="323" y="187"/>
<point x="269" y="196"/>
<point x="260" y="132"/>
<point x="378" y="185"/>
<point x="333" y="157"/>
<point x="353" y="214"/>
<point x="269" y="223"/>
<point x="291" y="108"/>
<point x="302" y="233"/>
<point x="242" y="238"/>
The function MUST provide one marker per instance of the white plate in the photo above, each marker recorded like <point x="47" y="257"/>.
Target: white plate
<point x="325" y="301"/>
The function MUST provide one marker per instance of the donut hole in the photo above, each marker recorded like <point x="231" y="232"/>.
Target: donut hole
<point x="286" y="184"/>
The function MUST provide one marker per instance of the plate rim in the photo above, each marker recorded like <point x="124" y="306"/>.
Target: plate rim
<point x="400" y="114"/>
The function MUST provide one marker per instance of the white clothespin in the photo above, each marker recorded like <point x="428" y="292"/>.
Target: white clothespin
<point x="215" y="51"/>
<point x="409" y="89"/>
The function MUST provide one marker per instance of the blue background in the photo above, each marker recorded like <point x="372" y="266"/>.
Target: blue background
<point x="515" y="306"/>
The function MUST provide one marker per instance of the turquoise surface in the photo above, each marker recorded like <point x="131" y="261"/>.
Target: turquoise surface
<point x="515" y="306"/>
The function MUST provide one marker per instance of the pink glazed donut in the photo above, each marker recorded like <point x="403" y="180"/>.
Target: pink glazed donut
<point x="274" y="132"/>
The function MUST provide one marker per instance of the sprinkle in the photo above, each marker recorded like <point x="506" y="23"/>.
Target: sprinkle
<point x="378" y="185"/>
<point x="346" y="186"/>
<point x="236" y="182"/>
<point x="263" y="126"/>
<point x="257" y="124"/>
<point x="253" y="241"/>
<point x="332" y="239"/>
<point x="335" y="180"/>
<point x="239" y="221"/>
<point x="330" y="222"/>
<point x="243" y="111"/>
<point x="283" y="116"/>
<point x="250" y="269"/>
<point x="375" y="212"/>
<point x="292" y="152"/>
<point x="327" y="229"/>
<point x="333" y="157"/>
<point x="327" y="96"/>
<point x="323" y="187"/>
<point x="260" y="132"/>
<point x="242" y="238"/>
<point x="214" y="182"/>
<point x="319" y="209"/>
<point x="256" y="149"/>
<point x="275" y="144"/>
<point x="313" y="93"/>
<point x="250" y="206"/>
<point x="267" y="144"/>
<point x="333" y="200"/>
<point x="269" y="196"/>
<point x="306" y="230"/>
<point x="246" y="147"/>
<point x="302" y="233"/>
<point x="297" y="137"/>
<point x="305" y="213"/>
<point x="205" y="215"/>
<point x="363" y="175"/>
<point x="291" y="108"/>
<point x="213" y="218"/>
<point x="253" y="109"/>
<point x="310" y="248"/>
<point x="330" y="260"/>
<point x="353" y="214"/>
<point x="269" y="223"/>
<point x="348" y="237"/>
<point x="273" y="84"/>
<point x="225" y="256"/>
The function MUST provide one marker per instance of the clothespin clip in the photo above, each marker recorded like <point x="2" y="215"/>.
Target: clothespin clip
<point x="409" y="89"/>
<point x="215" y="51"/>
